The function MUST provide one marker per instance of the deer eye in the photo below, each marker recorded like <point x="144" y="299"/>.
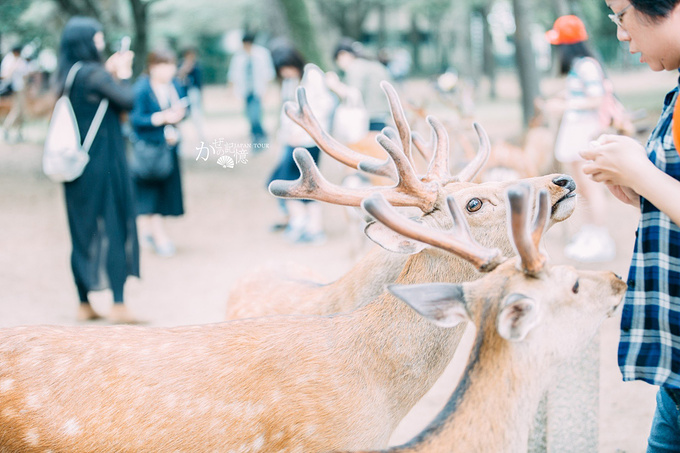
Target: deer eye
<point x="474" y="205"/>
<point x="575" y="288"/>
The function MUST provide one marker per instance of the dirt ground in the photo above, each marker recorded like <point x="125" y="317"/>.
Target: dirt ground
<point x="225" y="235"/>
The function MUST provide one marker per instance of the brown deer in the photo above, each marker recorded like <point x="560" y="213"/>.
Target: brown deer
<point x="528" y="317"/>
<point x="289" y="383"/>
<point x="288" y="290"/>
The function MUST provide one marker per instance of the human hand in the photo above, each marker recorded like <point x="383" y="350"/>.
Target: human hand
<point x="174" y="115"/>
<point x="120" y="64"/>
<point x="615" y="160"/>
<point x="625" y="194"/>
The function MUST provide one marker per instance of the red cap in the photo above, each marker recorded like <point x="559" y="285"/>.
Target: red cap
<point x="567" y="30"/>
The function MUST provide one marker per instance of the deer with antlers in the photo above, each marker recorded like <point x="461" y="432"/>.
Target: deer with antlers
<point x="277" y="290"/>
<point x="529" y="317"/>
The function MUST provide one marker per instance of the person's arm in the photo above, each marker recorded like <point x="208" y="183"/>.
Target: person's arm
<point x="622" y="161"/>
<point x="119" y="93"/>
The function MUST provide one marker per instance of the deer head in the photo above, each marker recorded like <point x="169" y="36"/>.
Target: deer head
<point x="561" y="305"/>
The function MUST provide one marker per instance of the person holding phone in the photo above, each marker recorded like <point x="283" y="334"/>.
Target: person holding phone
<point x="99" y="203"/>
<point x="158" y="109"/>
<point x="648" y="177"/>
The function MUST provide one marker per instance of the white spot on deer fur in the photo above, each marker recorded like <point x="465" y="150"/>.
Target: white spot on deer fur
<point x="6" y="385"/>
<point x="259" y="442"/>
<point x="33" y="401"/>
<point x="32" y="437"/>
<point x="71" y="427"/>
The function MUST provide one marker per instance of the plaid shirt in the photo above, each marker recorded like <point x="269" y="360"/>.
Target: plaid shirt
<point x="650" y="325"/>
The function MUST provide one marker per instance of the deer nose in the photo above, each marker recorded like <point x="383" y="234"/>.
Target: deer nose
<point x="565" y="181"/>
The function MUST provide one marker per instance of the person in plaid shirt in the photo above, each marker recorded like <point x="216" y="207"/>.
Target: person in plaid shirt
<point x="649" y="177"/>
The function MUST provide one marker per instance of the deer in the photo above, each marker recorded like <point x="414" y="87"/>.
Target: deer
<point x="289" y="290"/>
<point x="528" y="317"/>
<point x="279" y="383"/>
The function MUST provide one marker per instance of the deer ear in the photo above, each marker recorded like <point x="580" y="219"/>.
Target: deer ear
<point x="391" y="240"/>
<point x="441" y="303"/>
<point x="517" y="317"/>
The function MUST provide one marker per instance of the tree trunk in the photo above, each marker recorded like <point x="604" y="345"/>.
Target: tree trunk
<point x="302" y="30"/>
<point x="414" y="40"/>
<point x="489" y="56"/>
<point x="140" y="45"/>
<point x="524" y="56"/>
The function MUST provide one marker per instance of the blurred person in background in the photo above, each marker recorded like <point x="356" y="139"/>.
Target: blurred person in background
<point x="13" y="72"/>
<point x="99" y="203"/>
<point x="302" y="221"/>
<point x="364" y="75"/>
<point x="648" y="177"/>
<point x="154" y="118"/>
<point x="250" y="71"/>
<point x="190" y="73"/>
<point x="581" y="123"/>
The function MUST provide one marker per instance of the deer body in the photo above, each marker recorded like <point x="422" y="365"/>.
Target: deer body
<point x="289" y="289"/>
<point x="275" y="384"/>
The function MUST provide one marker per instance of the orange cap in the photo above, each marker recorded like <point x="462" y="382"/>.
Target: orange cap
<point x="567" y="30"/>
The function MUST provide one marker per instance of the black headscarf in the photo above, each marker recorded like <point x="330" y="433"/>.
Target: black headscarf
<point x="77" y="44"/>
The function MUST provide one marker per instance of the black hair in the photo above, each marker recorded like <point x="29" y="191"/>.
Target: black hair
<point x="567" y="53"/>
<point x="77" y="44"/>
<point x="248" y="37"/>
<point x="655" y="9"/>
<point x="288" y="56"/>
<point x="345" y="45"/>
<point x="17" y="49"/>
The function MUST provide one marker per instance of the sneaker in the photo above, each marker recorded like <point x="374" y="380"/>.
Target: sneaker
<point x="591" y="245"/>
<point x="312" y="238"/>
<point x="165" y="250"/>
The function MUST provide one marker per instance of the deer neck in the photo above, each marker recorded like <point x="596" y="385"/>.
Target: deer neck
<point x="404" y="353"/>
<point x="365" y="281"/>
<point x="493" y="407"/>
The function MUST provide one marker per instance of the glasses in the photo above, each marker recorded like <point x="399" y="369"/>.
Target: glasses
<point x="616" y="18"/>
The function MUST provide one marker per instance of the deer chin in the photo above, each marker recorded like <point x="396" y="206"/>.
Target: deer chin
<point x="563" y="208"/>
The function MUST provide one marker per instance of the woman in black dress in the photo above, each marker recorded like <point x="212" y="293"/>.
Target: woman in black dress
<point x="157" y="110"/>
<point x="99" y="203"/>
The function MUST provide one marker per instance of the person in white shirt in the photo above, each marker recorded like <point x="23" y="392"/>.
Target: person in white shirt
<point x="13" y="71"/>
<point x="250" y="71"/>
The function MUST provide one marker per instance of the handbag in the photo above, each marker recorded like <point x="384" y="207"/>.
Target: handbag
<point x="350" y="120"/>
<point x="64" y="158"/>
<point x="151" y="161"/>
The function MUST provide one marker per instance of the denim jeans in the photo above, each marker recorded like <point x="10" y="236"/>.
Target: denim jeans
<point x="254" y="113"/>
<point x="665" y="434"/>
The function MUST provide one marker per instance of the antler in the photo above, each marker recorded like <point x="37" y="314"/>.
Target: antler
<point x="400" y="138"/>
<point x="527" y="239"/>
<point x="409" y="190"/>
<point x="302" y="115"/>
<point x="468" y="173"/>
<point x="458" y="240"/>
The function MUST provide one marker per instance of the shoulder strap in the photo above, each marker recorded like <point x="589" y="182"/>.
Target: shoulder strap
<point x="71" y="77"/>
<point x="96" y="122"/>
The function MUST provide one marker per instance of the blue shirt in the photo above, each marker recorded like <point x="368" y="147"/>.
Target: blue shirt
<point x="650" y="325"/>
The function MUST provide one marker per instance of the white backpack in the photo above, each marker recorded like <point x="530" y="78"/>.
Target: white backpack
<point x="64" y="159"/>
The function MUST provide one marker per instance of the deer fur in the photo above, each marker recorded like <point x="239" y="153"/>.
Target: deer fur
<point x="288" y="383"/>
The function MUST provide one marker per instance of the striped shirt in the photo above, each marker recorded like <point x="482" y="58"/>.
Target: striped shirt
<point x="649" y="349"/>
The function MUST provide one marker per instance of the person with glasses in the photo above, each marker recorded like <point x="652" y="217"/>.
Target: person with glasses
<point x="649" y="177"/>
